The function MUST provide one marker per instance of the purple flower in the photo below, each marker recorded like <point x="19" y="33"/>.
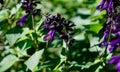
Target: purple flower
<point x="115" y="60"/>
<point x="111" y="37"/>
<point x="50" y="35"/>
<point x="22" y="20"/>
<point x="118" y="66"/>
<point x="113" y="44"/>
<point x="115" y="27"/>
<point x="46" y="26"/>
<point x="112" y="28"/>
<point x="106" y="5"/>
<point x="104" y="38"/>
<point x="29" y="6"/>
<point x="117" y="33"/>
<point x="56" y="23"/>
<point x="101" y="4"/>
<point x="109" y="6"/>
<point x="115" y="41"/>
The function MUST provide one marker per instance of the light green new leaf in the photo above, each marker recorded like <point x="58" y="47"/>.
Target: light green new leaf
<point x="23" y="35"/>
<point x="15" y="9"/>
<point x="7" y="62"/>
<point x="94" y="27"/>
<point x="39" y="24"/>
<point x="33" y="61"/>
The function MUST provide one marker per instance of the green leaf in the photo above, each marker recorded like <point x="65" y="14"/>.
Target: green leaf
<point x="45" y="64"/>
<point x="84" y="11"/>
<point x="39" y="24"/>
<point x="33" y="61"/>
<point x="11" y="38"/>
<point x="12" y="35"/>
<point x="90" y="64"/>
<point x="22" y="39"/>
<point x="23" y="36"/>
<point x="15" y="9"/>
<point x="80" y="36"/>
<point x="79" y="21"/>
<point x="94" y="27"/>
<point x="3" y="15"/>
<point x="7" y="62"/>
<point x="26" y="31"/>
<point x="25" y="44"/>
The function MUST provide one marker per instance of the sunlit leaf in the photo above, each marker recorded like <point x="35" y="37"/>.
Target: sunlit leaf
<point x="12" y="38"/>
<point x="94" y="27"/>
<point x="7" y="62"/>
<point x="15" y="9"/>
<point x="3" y="14"/>
<point x="33" y="61"/>
<point x="84" y="11"/>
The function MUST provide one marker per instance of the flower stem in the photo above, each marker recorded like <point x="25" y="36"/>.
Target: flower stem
<point x="33" y="23"/>
<point x="34" y="39"/>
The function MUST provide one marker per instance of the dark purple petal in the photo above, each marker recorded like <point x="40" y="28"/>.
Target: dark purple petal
<point x="112" y="48"/>
<point x="64" y="37"/>
<point x="70" y="42"/>
<point x="117" y="33"/>
<point x="101" y="4"/>
<point x="114" y="60"/>
<point x="29" y="6"/>
<point x="1" y="1"/>
<point x="45" y="26"/>
<point x="104" y="38"/>
<point x="26" y="0"/>
<point x="111" y="38"/>
<point x="50" y="35"/>
<point x="56" y="23"/>
<point x="113" y="44"/>
<point x="35" y="11"/>
<point x="22" y="20"/>
<point x="106" y="5"/>
<point x="117" y="17"/>
<point x="116" y="27"/>
<point x="115" y="41"/>
<point x="118" y="66"/>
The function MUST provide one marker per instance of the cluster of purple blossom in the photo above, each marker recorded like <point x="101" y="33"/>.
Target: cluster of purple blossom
<point x="55" y="23"/>
<point x="29" y="7"/>
<point x="58" y="24"/>
<point x="111" y="37"/>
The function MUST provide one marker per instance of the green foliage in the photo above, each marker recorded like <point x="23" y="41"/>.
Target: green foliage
<point x="23" y="48"/>
<point x="12" y="36"/>
<point x="7" y="62"/>
<point x="33" y="61"/>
